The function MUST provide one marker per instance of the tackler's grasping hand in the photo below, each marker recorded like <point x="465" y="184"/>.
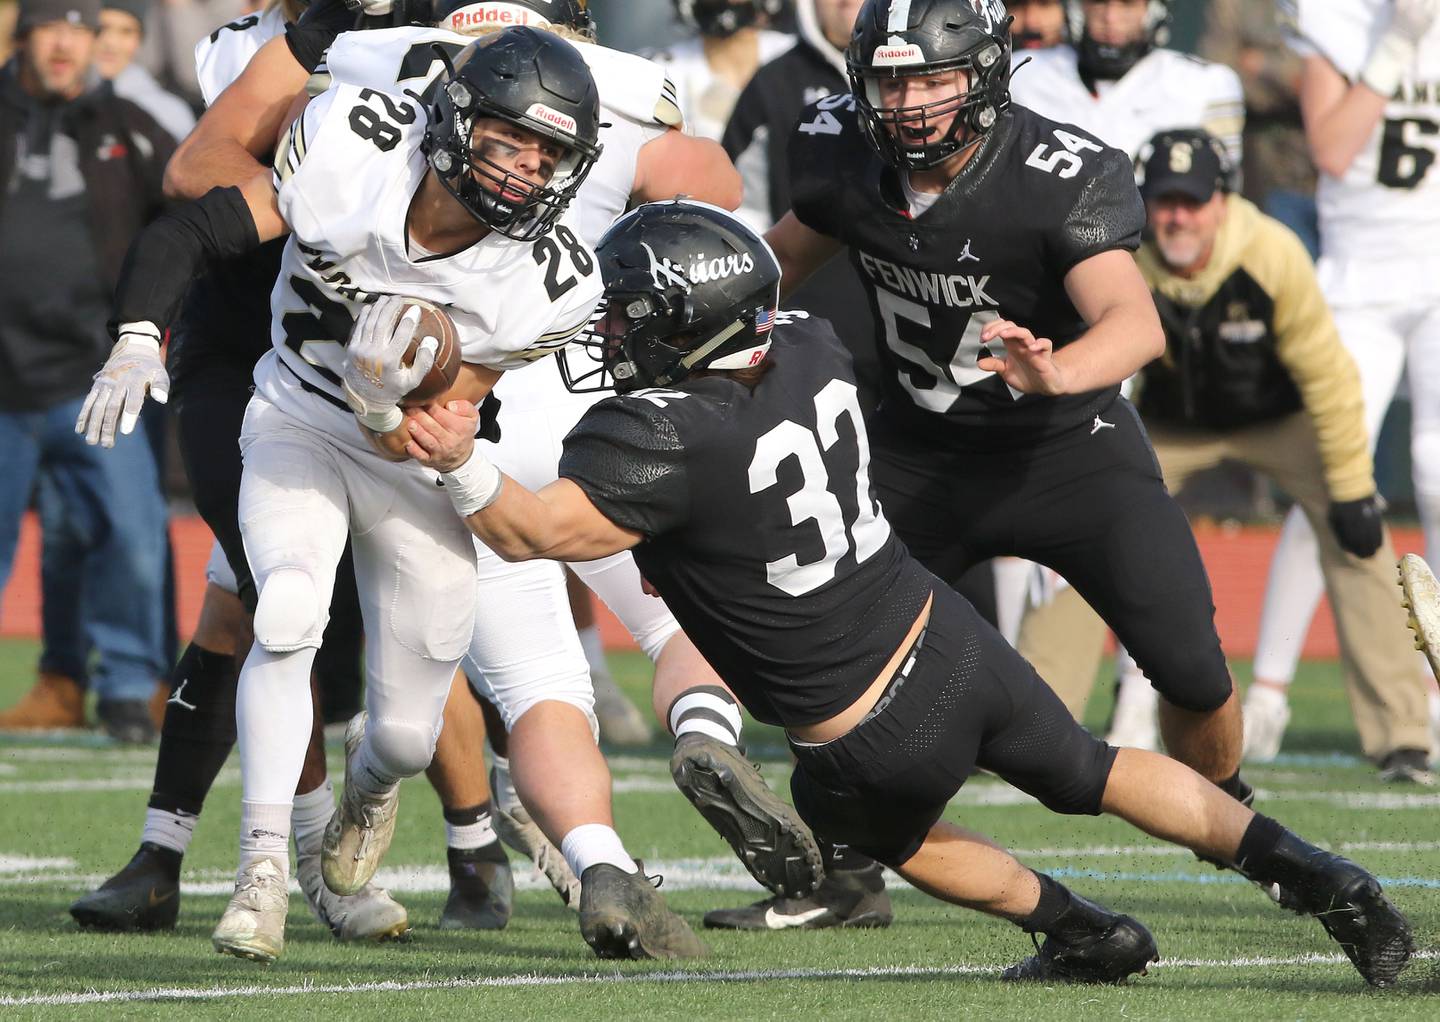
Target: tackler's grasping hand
<point x="1028" y="364"/>
<point x="376" y="376"/>
<point x="443" y="436"/>
<point x="133" y="370"/>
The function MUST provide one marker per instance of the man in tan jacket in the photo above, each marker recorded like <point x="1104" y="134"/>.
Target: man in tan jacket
<point x="1254" y="372"/>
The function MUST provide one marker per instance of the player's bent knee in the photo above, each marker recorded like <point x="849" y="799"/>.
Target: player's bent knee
<point x="583" y="702"/>
<point x="1193" y="677"/>
<point x="289" y="614"/>
<point x="402" y="748"/>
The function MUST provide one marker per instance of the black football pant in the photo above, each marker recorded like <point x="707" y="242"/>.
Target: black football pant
<point x="969" y="700"/>
<point x="1089" y="503"/>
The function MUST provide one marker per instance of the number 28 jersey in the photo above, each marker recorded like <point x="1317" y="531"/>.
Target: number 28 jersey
<point x="1036" y="198"/>
<point x="761" y="528"/>
<point x="351" y="164"/>
<point x="1380" y="219"/>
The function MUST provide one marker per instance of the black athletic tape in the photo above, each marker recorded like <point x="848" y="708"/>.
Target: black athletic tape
<point x="710" y="690"/>
<point x="468" y="815"/>
<point x="1054" y="900"/>
<point x="1257" y="846"/>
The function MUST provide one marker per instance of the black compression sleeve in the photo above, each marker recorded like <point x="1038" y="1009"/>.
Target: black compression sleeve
<point x="171" y="252"/>
<point x="317" y="28"/>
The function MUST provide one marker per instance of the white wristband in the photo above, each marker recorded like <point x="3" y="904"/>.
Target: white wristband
<point x="143" y="333"/>
<point x="1392" y="57"/>
<point x="474" y="485"/>
<point x="382" y="421"/>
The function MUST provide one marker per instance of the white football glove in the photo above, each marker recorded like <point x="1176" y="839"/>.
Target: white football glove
<point x="374" y="8"/>
<point x="133" y="369"/>
<point x="1394" y="54"/>
<point x="376" y="377"/>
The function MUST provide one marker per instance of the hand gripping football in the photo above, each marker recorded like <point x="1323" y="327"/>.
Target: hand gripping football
<point x="434" y="322"/>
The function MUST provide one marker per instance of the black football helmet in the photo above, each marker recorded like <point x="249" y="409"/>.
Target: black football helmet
<point x="904" y="38"/>
<point x="1107" y="63"/>
<point x="688" y="286"/>
<point x="721" y="17"/>
<point x="460" y="15"/>
<point x="534" y="80"/>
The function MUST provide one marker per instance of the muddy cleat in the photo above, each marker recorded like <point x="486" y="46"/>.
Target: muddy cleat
<point x="853" y="898"/>
<point x="1265" y="715"/>
<point x="370" y="915"/>
<point x="622" y="915"/>
<point x="144" y="895"/>
<point x="54" y="701"/>
<point x="359" y="831"/>
<point x="1089" y="944"/>
<point x="1408" y="766"/>
<point x="253" y="925"/>
<point x="765" y="831"/>
<point x="522" y="834"/>
<point x="482" y="889"/>
<point x="1422" y="602"/>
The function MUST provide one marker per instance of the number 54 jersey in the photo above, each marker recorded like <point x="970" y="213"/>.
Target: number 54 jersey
<point x="1379" y="221"/>
<point x="345" y="176"/>
<point x="1036" y="198"/>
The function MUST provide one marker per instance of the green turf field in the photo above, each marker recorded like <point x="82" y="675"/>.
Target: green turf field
<point x="72" y="810"/>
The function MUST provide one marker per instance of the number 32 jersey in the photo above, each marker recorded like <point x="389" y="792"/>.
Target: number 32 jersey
<point x="761" y="528"/>
<point x="1036" y="198"/>
<point x="345" y="177"/>
<point x="1379" y="221"/>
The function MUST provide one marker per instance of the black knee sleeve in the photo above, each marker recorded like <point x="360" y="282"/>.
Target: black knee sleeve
<point x="338" y="669"/>
<point x="199" y="730"/>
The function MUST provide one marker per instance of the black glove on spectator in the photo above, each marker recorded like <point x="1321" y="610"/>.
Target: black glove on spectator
<point x="1357" y="525"/>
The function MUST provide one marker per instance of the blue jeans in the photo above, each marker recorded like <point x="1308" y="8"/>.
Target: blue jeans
<point x="1296" y="210"/>
<point x="105" y="505"/>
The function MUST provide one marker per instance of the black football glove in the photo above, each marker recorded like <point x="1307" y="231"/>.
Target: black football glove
<point x="1358" y="525"/>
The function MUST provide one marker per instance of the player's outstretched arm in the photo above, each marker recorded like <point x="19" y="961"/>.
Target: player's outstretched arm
<point x="558" y="523"/>
<point x="236" y="136"/>
<point x="159" y="266"/>
<point x="680" y="164"/>
<point x="800" y="250"/>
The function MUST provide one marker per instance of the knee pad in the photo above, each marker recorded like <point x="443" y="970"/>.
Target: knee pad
<point x="1425" y="461"/>
<point x="402" y="748"/>
<point x="289" y="614"/>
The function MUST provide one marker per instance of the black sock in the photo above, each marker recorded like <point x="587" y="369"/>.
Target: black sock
<point x="844" y="859"/>
<point x="1235" y="788"/>
<point x="470" y="828"/>
<point x="199" y="730"/>
<point x="1258" y="845"/>
<point x="1053" y="903"/>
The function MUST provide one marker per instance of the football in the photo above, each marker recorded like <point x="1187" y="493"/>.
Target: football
<point x="434" y="322"/>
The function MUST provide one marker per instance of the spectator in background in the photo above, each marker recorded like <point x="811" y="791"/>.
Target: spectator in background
<point x="81" y="172"/>
<point x="122" y="29"/>
<point x="710" y="69"/>
<point x="1038" y="24"/>
<point x="1277" y="173"/>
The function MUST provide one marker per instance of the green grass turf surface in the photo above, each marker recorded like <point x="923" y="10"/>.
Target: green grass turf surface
<point x="75" y="803"/>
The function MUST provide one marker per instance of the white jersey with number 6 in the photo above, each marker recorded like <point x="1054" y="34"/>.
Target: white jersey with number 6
<point x="1379" y="221"/>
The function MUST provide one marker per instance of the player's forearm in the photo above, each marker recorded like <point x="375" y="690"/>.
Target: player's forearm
<point x="1339" y="118"/>
<point x="1121" y="342"/>
<point x="679" y="164"/>
<point x="800" y="251"/>
<point x="207" y="163"/>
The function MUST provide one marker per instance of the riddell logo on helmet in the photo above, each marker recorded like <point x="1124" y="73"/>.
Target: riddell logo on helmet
<point x="542" y="112"/>
<point x="897" y="53"/>
<point x="487" y="15"/>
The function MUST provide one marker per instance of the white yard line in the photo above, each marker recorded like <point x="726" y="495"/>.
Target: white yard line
<point x="609" y="979"/>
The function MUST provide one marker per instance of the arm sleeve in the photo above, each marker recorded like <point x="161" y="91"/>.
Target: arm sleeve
<point x="1106" y="214"/>
<point x="1309" y="346"/>
<point x="1224" y="114"/>
<point x="627" y="457"/>
<point x="317" y="28"/>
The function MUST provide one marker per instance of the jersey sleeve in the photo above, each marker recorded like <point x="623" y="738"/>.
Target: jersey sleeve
<point x="819" y="143"/>
<point x="1106" y="214"/>
<point x="306" y="169"/>
<point x="1224" y="112"/>
<point x="628" y="458"/>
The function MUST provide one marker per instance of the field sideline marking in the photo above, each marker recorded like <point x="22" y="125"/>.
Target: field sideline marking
<point x="593" y="979"/>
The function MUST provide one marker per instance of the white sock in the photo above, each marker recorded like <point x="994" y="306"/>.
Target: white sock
<point x="169" y="830"/>
<point x="265" y="834"/>
<point x="706" y="710"/>
<point x="372" y="781"/>
<point x="593" y="843"/>
<point x="309" y="817"/>
<point x="273" y="713"/>
<point x="502" y="788"/>
<point x="476" y="833"/>
<point x="594" y="652"/>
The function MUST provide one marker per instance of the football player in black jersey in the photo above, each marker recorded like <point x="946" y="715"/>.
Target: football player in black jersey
<point x="734" y="464"/>
<point x="995" y="248"/>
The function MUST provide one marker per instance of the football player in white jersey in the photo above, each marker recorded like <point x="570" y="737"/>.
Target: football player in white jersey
<point x="462" y="204"/>
<point x="1370" y="98"/>
<point x="711" y="68"/>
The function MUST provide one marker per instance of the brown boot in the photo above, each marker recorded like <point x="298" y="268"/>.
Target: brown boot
<point x="54" y="701"/>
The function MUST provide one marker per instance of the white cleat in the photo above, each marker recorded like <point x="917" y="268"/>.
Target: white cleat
<point x="620" y="722"/>
<point x="370" y="915"/>
<point x="359" y="832"/>
<point x="1136" y="722"/>
<point x="253" y="925"/>
<point x="1265" y="714"/>
<point x="1422" y="600"/>
<point x="524" y="835"/>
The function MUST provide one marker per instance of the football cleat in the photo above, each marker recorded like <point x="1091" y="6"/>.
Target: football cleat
<point x="1266" y="713"/>
<point x="524" y="835"/>
<point x="371" y="914"/>
<point x="765" y="831"/>
<point x="1422" y="602"/>
<point x="359" y="831"/>
<point x="1135" y="724"/>
<point x="1089" y="944"/>
<point x="253" y="925"/>
<point x="144" y="895"/>
<point x="482" y="889"/>
<point x="622" y="915"/>
<point x="853" y="898"/>
<point x="1408" y="766"/>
